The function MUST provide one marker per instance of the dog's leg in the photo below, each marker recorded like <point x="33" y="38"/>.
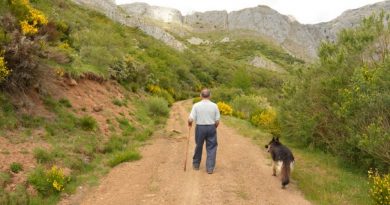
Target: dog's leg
<point x="273" y="168"/>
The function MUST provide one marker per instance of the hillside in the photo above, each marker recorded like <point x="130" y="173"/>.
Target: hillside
<point x="76" y="97"/>
<point x="299" y="39"/>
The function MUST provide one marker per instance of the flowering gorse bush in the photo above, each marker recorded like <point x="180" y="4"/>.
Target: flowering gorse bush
<point x="224" y="108"/>
<point x="31" y="19"/>
<point x="56" y="177"/>
<point x="47" y="182"/>
<point x="380" y="187"/>
<point x="4" y="71"/>
<point x="265" y="118"/>
<point x="161" y="92"/>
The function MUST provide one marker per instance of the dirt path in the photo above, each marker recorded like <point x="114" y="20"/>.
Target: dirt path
<point x="242" y="174"/>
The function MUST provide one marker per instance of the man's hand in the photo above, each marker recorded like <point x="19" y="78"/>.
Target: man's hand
<point x="189" y="123"/>
<point x="216" y="124"/>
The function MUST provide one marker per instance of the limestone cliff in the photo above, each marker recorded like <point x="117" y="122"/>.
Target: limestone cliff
<point x="302" y="40"/>
<point x="111" y="10"/>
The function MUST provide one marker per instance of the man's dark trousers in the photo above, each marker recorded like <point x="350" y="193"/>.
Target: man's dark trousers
<point x="206" y="133"/>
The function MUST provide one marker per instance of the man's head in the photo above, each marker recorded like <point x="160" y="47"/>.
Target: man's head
<point x="205" y="94"/>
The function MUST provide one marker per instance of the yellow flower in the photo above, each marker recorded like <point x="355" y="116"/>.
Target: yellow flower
<point x="57" y="186"/>
<point x="224" y="108"/>
<point x="28" y="29"/>
<point x="32" y="20"/>
<point x="4" y="71"/>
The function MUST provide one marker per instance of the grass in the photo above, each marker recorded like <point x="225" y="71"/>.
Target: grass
<point x="119" y="102"/>
<point x="124" y="156"/>
<point x="88" y="123"/>
<point x="125" y="126"/>
<point x="115" y="143"/>
<point x="42" y="156"/>
<point x="65" y="102"/>
<point x="16" y="167"/>
<point x="4" y="179"/>
<point x="323" y="178"/>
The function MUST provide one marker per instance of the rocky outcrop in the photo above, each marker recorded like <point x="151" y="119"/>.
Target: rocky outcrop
<point x="348" y="19"/>
<point x="209" y="20"/>
<point x="111" y="10"/>
<point x="262" y="62"/>
<point x="198" y="41"/>
<point x="163" y="14"/>
<point x="280" y="28"/>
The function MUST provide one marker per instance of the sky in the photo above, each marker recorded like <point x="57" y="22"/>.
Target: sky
<point x="305" y="11"/>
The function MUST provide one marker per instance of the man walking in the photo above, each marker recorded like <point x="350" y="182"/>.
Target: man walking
<point x="206" y="116"/>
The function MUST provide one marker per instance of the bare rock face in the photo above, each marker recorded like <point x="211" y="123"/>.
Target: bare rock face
<point x="206" y="21"/>
<point x="198" y="41"/>
<point x="282" y="29"/>
<point x="163" y="14"/>
<point x="349" y="19"/>
<point x="262" y="62"/>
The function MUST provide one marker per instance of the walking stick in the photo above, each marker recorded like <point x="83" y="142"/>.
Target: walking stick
<point x="188" y="142"/>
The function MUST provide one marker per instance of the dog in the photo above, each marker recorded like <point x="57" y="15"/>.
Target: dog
<point x="281" y="154"/>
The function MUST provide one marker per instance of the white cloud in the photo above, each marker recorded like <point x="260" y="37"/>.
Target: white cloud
<point x="305" y="11"/>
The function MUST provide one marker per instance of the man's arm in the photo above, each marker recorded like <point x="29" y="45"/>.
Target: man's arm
<point x="217" y="117"/>
<point x="192" y="117"/>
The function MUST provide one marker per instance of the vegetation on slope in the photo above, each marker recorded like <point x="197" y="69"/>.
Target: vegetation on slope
<point x="341" y="104"/>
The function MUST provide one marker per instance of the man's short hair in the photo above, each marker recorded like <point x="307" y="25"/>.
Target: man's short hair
<point x="205" y="93"/>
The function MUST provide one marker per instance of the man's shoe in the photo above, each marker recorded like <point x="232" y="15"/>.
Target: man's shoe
<point x="195" y="167"/>
<point x="209" y="171"/>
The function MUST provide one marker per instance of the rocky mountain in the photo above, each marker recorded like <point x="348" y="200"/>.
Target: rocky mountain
<point x="301" y="40"/>
<point x="111" y="10"/>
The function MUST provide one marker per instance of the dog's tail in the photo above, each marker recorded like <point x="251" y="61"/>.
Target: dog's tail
<point x="286" y="170"/>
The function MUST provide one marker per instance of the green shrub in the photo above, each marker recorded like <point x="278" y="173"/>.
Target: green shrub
<point x="341" y="104"/>
<point x="157" y="106"/>
<point x="42" y="156"/>
<point x="88" y="123"/>
<point x="129" y="70"/>
<point x="247" y="105"/>
<point x="124" y="156"/>
<point x="16" y="167"/>
<point x="242" y="80"/>
<point x="225" y="94"/>
<point x="38" y="179"/>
